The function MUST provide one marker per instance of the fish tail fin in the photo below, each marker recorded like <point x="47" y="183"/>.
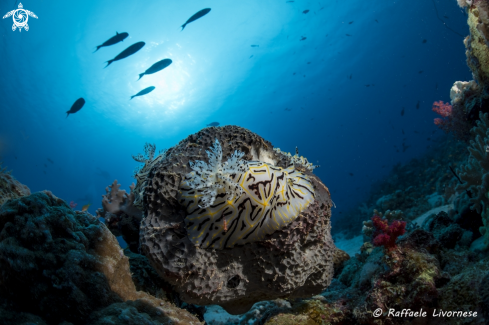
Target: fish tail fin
<point x="67" y="114"/>
<point x="183" y="26"/>
<point x="141" y="75"/>
<point x="98" y="47"/>
<point x="108" y="63"/>
<point x="132" y="97"/>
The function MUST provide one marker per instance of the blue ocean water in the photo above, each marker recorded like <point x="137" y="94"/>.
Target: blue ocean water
<point x="342" y="82"/>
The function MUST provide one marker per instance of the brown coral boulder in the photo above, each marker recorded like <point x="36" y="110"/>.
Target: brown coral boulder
<point x="294" y="261"/>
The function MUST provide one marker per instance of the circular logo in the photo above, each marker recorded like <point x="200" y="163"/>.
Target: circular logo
<point x="20" y="18"/>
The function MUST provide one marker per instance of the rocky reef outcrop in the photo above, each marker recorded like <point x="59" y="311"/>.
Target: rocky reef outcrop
<point x="10" y="188"/>
<point x="293" y="261"/>
<point x="59" y="265"/>
<point x="475" y="175"/>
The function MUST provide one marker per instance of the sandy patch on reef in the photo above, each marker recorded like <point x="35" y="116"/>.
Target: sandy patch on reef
<point x="352" y="246"/>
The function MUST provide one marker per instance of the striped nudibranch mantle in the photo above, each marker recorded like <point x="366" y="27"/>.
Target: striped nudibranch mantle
<point x="238" y="201"/>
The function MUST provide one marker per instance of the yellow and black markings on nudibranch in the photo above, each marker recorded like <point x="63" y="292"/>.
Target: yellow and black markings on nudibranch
<point x="239" y="201"/>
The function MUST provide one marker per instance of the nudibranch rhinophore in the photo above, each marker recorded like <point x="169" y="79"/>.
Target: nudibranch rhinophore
<point x="237" y="201"/>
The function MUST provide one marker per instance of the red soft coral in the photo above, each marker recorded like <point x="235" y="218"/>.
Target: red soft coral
<point x="444" y="109"/>
<point x="454" y="119"/>
<point x="385" y="234"/>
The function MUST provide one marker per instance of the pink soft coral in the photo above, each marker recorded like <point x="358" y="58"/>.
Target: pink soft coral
<point x="385" y="234"/>
<point x="454" y="119"/>
<point x="444" y="109"/>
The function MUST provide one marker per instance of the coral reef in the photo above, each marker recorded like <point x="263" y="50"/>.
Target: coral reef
<point x="475" y="174"/>
<point x="120" y="214"/>
<point x="310" y="312"/>
<point x="386" y="234"/>
<point x="10" y="188"/>
<point x="470" y="98"/>
<point x="464" y="3"/>
<point x="414" y="188"/>
<point x="445" y="230"/>
<point x="59" y="265"/>
<point x="418" y="273"/>
<point x="259" y="313"/>
<point x="294" y="261"/>
<point x="477" y="43"/>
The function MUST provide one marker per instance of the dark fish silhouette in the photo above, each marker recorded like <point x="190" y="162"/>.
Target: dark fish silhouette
<point x="213" y="124"/>
<point x="127" y="52"/>
<point x="417" y="105"/>
<point x="52" y="162"/>
<point x="348" y="35"/>
<point x="402" y="112"/>
<point x="76" y="106"/>
<point x="351" y="174"/>
<point x="255" y="45"/>
<point x="305" y="11"/>
<point x="250" y="57"/>
<point x="144" y="91"/>
<point x="198" y="15"/>
<point x="113" y="40"/>
<point x="420" y="71"/>
<point x="376" y="21"/>
<point x="424" y="41"/>
<point x="351" y="22"/>
<point x="303" y="38"/>
<point x="158" y="66"/>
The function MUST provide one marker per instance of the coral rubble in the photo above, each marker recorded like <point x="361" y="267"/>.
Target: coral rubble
<point x="294" y="261"/>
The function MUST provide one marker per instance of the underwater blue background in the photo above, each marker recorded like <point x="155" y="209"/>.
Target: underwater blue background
<point x="312" y="93"/>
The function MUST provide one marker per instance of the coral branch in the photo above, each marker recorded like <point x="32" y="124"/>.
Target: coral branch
<point x="385" y="234"/>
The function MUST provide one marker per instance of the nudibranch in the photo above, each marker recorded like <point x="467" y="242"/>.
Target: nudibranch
<point x="237" y="201"/>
